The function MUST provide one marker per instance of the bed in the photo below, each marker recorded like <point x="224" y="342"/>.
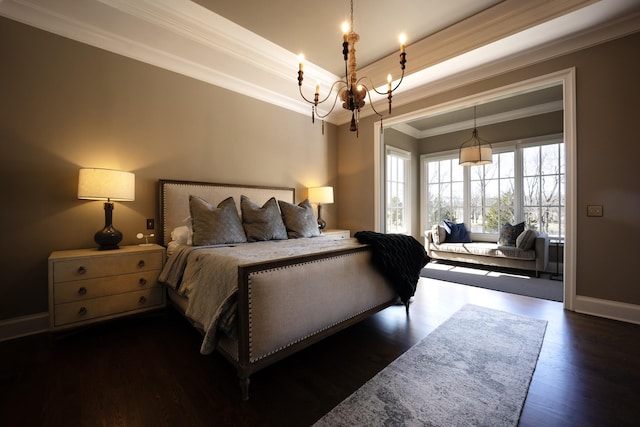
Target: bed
<point x="302" y="291"/>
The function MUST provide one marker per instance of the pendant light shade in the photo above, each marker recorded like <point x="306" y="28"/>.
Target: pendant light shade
<point x="475" y="151"/>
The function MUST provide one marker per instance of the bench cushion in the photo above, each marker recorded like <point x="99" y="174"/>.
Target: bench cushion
<point x="487" y="249"/>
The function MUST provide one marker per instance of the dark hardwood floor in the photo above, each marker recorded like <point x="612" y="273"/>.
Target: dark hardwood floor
<point x="146" y="371"/>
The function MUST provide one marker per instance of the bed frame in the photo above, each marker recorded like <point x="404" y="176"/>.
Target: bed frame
<point x="287" y="304"/>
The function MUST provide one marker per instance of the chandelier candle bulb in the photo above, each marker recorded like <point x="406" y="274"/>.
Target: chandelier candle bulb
<point x="403" y="42"/>
<point x="389" y="82"/>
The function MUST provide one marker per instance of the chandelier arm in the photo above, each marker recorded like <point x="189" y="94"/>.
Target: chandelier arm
<point x="330" y="111"/>
<point x="371" y="103"/>
<point x="313" y="101"/>
<point x="337" y="82"/>
<point x="374" y="88"/>
<point x="399" y="81"/>
<point x="304" y="97"/>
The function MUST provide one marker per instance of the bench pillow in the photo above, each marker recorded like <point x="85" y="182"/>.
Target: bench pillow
<point x="526" y="239"/>
<point x="509" y="233"/>
<point x="456" y="233"/>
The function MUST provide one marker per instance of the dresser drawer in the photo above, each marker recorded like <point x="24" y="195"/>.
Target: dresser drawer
<point x="107" y="265"/>
<point x="78" y="290"/>
<point x="113" y="305"/>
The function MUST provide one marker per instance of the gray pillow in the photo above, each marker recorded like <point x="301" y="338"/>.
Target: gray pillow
<point x="526" y="239"/>
<point x="262" y="223"/>
<point x="509" y="233"/>
<point x="299" y="220"/>
<point x="215" y="225"/>
<point x="438" y="234"/>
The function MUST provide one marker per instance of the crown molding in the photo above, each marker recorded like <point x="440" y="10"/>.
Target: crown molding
<point x="519" y="113"/>
<point x="183" y="37"/>
<point x="511" y="53"/>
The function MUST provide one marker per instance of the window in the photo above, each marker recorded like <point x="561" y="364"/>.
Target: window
<point x="492" y="200"/>
<point x="543" y="188"/>
<point x="445" y="187"/>
<point x="398" y="191"/>
<point x="525" y="182"/>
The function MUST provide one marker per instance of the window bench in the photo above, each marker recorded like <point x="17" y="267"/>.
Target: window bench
<point x="492" y="254"/>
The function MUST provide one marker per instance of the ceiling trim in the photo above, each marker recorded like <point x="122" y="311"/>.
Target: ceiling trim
<point x="450" y="74"/>
<point x="183" y="37"/>
<point x="520" y="113"/>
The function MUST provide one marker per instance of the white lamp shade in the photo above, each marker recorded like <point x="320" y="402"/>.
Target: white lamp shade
<point x="321" y="195"/>
<point x="106" y="184"/>
<point x="475" y="155"/>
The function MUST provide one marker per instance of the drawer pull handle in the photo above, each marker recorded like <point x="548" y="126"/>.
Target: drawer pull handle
<point x="82" y="270"/>
<point x="142" y="281"/>
<point x="82" y="311"/>
<point x="82" y="290"/>
<point x="141" y="263"/>
<point x="142" y="300"/>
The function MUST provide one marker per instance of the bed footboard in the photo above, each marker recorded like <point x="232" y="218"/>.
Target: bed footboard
<point x="287" y="305"/>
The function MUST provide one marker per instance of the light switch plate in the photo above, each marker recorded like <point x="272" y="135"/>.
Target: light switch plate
<point x="594" y="210"/>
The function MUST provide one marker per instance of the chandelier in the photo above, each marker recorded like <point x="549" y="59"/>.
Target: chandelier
<point x="352" y="91"/>
<point x="475" y="151"/>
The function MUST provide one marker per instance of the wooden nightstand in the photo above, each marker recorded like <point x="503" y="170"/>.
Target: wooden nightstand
<point x="336" y="233"/>
<point x="88" y="285"/>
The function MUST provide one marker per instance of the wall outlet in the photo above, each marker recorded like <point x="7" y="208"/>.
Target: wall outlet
<point x="151" y="224"/>
<point x="594" y="210"/>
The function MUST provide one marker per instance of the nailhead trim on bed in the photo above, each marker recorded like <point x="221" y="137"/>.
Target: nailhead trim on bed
<point x="255" y="359"/>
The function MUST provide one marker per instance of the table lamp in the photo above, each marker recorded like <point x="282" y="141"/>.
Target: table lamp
<point x="112" y="186"/>
<point x="321" y="195"/>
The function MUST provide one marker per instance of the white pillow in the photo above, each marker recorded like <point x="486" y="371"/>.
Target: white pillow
<point x="182" y="235"/>
<point x="438" y="234"/>
<point x="526" y="239"/>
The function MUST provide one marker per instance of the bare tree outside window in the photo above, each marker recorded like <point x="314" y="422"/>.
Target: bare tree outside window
<point x="445" y="191"/>
<point x="544" y="180"/>
<point x="530" y="190"/>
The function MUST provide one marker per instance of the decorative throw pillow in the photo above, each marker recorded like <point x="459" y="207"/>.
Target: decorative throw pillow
<point x="456" y="233"/>
<point x="509" y="233"/>
<point x="262" y="223"/>
<point x="438" y="234"/>
<point x="215" y="225"/>
<point x="526" y="239"/>
<point x="182" y="235"/>
<point x="299" y="220"/>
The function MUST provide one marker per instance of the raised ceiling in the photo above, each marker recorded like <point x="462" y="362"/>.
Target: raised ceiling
<point x="251" y="47"/>
<point x="314" y="28"/>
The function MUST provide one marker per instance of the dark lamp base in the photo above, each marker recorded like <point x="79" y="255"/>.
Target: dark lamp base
<point x="321" y="222"/>
<point x="108" y="238"/>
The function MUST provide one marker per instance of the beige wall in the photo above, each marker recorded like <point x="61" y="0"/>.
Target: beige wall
<point x="607" y="95"/>
<point x="65" y="105"/>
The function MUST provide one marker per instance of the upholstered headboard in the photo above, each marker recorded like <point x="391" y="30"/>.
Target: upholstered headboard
<point x="174" y="199"/>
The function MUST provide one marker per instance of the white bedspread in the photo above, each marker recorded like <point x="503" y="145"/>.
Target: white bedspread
<point x="211" y="276"/>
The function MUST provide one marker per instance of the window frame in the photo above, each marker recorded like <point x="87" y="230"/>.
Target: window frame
<point x="406" y="157"/>
<point x="517" y="148"/>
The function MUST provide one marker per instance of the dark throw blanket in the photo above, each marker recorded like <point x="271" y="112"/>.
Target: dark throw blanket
<point x="400" y="258"/>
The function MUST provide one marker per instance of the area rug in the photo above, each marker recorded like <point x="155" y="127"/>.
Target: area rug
<point x="473" y="370"/>
<point x="513" y="283"/>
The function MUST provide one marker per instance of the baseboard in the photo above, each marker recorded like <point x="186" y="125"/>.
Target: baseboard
<point x="609" y="309"/>
<point x="22" y="326"/>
